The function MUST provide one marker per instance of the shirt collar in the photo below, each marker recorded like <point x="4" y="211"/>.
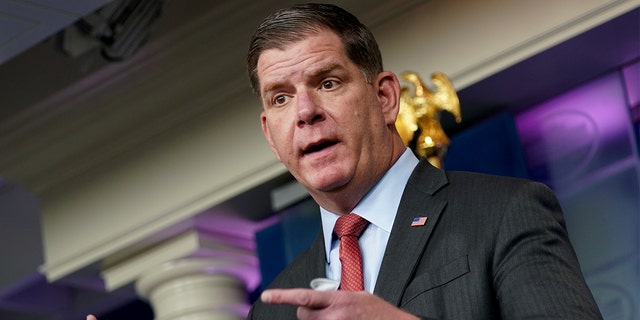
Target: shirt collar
<point x="380" y="204"/>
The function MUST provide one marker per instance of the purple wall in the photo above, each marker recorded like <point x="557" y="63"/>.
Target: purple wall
<point x="584" y="144"/>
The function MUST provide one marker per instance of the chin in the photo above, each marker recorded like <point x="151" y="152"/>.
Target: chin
<point x="328" y="183"/>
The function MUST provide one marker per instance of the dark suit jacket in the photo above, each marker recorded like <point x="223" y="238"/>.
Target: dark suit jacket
<point x="492" y="248"/>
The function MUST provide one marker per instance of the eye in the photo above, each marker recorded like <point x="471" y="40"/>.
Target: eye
<point x="329" y="84"/>
<point x="280" y="100"/>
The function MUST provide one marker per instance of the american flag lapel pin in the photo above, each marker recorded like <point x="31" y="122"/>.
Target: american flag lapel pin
<point x="418" y="221"/>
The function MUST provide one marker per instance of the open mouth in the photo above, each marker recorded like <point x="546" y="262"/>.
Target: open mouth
<point x="319" y="147"/>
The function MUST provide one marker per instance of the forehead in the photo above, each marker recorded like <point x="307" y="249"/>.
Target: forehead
<point x="312" y="52"/>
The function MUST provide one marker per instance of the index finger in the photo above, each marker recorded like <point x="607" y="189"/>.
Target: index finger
<point x="298" y="297"/>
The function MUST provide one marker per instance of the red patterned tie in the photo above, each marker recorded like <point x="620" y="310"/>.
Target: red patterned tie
<point x="348" y="228"/>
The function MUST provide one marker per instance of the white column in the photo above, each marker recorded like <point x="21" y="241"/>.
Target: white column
<point x="194" y="275"/>
<point x="195" y="289"/>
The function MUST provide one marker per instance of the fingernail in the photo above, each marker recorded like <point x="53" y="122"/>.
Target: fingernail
<point x="265" y="297"/>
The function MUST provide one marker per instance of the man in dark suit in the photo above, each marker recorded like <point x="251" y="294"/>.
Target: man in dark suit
<point x="435" y="245"/>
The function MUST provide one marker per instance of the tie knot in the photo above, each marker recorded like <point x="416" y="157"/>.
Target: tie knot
<point x="350" y="225"/>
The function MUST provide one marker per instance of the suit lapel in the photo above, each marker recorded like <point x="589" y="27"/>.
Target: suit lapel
<point x="406" y="243"/>
<point x="318" y="268"/>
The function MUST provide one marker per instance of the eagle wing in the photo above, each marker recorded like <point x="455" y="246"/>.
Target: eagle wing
<point x="445" y="97"/>
<point x="407" y="121"/>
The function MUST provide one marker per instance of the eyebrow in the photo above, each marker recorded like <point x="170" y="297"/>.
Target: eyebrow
<point x="327" y="69"/>
<point x="270" y="87"/>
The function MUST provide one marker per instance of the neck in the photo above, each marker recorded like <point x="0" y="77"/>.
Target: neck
<point x="341" y="201"/>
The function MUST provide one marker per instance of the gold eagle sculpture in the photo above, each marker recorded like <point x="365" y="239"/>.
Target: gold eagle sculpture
<point x="421" y="112"/>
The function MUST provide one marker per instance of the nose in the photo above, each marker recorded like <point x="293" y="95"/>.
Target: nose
<point x="309" y="109"/>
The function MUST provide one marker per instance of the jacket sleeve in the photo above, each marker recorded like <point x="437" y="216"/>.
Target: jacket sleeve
<point x="536" y="272"/>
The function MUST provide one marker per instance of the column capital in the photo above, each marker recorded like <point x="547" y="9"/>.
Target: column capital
<point x="218" y="252"/>
<point x="201" y="288"/>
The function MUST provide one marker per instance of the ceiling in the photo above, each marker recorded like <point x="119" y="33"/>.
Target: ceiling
<point x="26" y="23"/>
<point x="26" y="49"/>
<point x="33" y="68"/>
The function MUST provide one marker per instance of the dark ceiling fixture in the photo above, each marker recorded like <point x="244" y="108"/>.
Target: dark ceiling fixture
<point x="119" y="29"/>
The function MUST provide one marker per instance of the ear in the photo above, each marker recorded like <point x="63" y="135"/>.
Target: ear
<point x="267" y="134"/>
<point x="388" y="90"/>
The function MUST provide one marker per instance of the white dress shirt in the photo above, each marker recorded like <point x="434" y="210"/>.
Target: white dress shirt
<point x="379" y="207"/>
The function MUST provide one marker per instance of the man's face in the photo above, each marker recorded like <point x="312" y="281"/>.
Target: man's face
<point x="322" y="119"/>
